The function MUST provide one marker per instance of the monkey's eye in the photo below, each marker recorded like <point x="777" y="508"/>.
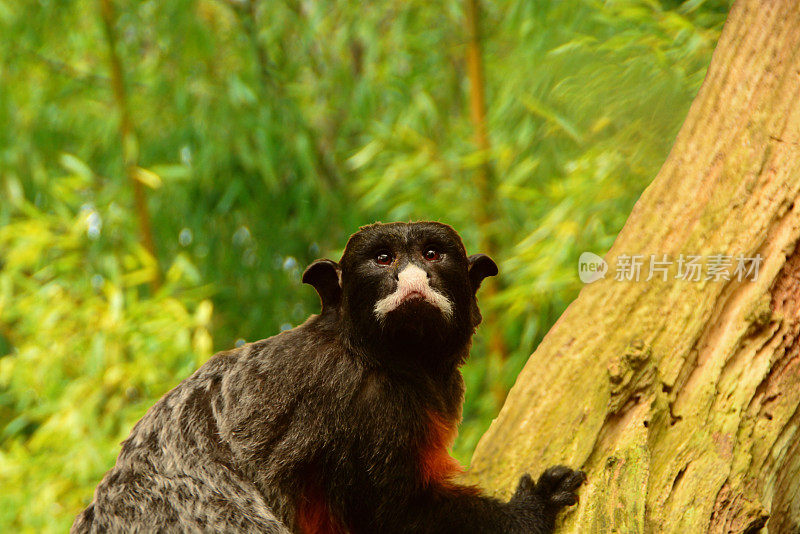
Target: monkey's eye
<point x="383" y="258"/>
<point x="431" y="254"/>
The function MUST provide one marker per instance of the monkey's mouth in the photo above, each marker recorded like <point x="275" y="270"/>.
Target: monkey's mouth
<point x="416" y="299"/>
<point x="412" y="295"/>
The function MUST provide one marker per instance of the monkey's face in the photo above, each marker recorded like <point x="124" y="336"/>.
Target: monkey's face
<point x="408" y="285"/>
<point x="409" y="281"/>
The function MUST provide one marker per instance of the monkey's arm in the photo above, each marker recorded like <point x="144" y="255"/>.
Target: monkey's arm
<point x="454" y="509"/>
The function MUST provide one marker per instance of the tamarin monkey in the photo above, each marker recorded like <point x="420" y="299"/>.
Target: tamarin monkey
<point x="340" y="425"/>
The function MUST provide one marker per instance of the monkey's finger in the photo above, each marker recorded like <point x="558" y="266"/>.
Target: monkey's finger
<point x="552" y="478"/>
<point x="526" y="484"/>
<point x="573" y="482"/>
<point x="564" y="499"/>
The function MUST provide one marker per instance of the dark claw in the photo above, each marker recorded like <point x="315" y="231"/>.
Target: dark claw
<point x="558" y="484"/>
<point x="564" y="499"/>
<point x="554" y="490"/>
<point x="575" y="481"/>
<point x="553" y="478"/>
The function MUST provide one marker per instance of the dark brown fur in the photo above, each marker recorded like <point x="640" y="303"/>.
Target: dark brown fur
<point x="339" y="425"/>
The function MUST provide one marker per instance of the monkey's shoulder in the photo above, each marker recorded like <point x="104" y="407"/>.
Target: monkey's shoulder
<point x="252" y="373"/>
<point x="291" y="357"/>
<point x="297" y="347"/>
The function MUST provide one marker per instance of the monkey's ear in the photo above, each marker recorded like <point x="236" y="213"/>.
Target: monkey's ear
<point x="324" y="276"/>
<point x="480" y="266"/>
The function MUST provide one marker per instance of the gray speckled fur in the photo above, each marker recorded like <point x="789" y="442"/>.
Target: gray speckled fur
<point x="175" y="472"/>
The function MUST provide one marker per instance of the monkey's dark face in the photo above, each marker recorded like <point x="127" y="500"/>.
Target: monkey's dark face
<point x="406" y="286"/>
<point x="407" y="283"/>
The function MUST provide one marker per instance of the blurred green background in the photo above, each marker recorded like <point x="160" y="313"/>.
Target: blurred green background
<point x="261" y="135"/>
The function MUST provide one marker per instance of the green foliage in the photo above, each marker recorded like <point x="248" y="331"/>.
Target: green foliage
<point x="265" y="138"/>
<point x="91" y="352"/>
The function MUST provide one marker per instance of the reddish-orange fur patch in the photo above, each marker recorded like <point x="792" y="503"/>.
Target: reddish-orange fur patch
<point x="437" y="467"/>
<point x="314" y="515"/>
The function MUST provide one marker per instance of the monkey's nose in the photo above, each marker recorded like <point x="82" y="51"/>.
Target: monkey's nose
<point x="398" y="267"/>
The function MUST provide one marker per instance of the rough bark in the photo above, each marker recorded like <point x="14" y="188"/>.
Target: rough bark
<point x="680" y="399"/>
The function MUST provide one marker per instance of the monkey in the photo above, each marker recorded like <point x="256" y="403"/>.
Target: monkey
<point x="339" y="425"/>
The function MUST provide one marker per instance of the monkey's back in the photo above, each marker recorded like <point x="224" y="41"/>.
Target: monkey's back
<point x="262" y="429"/>
<point x="174" y="471"/>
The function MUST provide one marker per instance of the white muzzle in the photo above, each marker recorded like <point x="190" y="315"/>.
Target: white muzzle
<point x="413" y="281"/>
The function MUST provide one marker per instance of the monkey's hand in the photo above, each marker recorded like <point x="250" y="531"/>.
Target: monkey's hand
<point x="543" y="500"/>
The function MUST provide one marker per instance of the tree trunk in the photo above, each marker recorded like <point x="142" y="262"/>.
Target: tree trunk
<point x="681" y="399"/>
